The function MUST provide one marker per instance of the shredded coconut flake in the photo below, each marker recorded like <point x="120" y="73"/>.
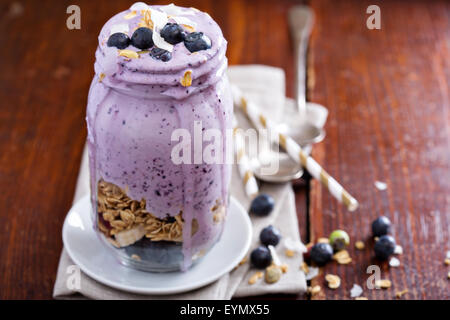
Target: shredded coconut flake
<point x="313" y="272"/>
<point x="161" y="43"/>
<point x="275" y="258"/>
<point x="294" y="245"/>
<point x="356" y="291"/>
<point x="184" y="21"/>
<point x="398" y="249"/>
<point x="122" y="28"/>
<point x="173" y="10"/>
<point x="394" y="262"/>
<point x="380" y="185"/>
<point x="138" y="6"/>
<point x="159" y="19"/>
<point x="448" y="254"/>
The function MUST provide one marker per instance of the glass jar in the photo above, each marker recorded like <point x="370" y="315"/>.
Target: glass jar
<point x="144" y="115"/>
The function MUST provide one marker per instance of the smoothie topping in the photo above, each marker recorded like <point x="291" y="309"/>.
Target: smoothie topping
<point x="162" y="28"/>
<point x="146" y="20"/>
<point x="118" y="40"/>
<point x="173" y="33"/>
<point x="161" y="43"/>
<point x="142" y="38"/>
<point x="186" y="81"/>
<point x="173" y="10"/>
<point x="130" y="15"/>
<point x="119" y="28"/>
<point x="197" y="41"/>
<point x="160" y="54"/>
<point x="128" y="54"/>
<point x="138" y="6"/>
<point x="185" y="22"/>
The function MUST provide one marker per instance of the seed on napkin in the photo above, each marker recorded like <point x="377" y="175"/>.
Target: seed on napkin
<point x="255" y="277"/>
<point x="273" y="274"/>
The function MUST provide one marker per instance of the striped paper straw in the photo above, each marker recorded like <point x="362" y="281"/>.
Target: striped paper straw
<point x="250" y="184"/>
<point x="295" y="151"/>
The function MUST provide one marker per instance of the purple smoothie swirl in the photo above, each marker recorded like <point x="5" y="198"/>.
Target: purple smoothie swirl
<point x="135" y="104"/>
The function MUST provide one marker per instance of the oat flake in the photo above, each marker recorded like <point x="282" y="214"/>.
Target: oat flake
<point x="186" y="81"/>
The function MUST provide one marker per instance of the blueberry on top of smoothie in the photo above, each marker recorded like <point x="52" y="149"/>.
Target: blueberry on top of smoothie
<point x="173" y="33"/>
<point x="160" y="54"/>
<point x="119" y="40"/>
<point x="197" y="41"/>
<point x="142" y="38"/>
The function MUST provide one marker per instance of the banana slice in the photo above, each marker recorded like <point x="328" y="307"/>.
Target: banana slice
<point x="128" y="237"/>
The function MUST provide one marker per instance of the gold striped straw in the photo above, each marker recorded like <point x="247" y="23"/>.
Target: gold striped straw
<point x="250" y="184"/>
<point x="295" y="151"/>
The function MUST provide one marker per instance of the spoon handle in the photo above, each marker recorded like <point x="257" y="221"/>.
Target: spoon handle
<point x="301" y="19"/>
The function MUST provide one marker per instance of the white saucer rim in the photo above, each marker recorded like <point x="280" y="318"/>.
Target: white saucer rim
<point x="161" y="291"/>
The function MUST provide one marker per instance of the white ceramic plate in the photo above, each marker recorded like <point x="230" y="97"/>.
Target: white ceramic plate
<point x="86" y="250"/>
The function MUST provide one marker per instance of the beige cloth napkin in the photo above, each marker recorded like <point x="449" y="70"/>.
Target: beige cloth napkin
<point x="266" y="86"/>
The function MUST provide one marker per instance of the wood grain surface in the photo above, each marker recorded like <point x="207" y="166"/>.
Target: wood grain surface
<point x="388" y="95"/>
<point x="387" y="92"/>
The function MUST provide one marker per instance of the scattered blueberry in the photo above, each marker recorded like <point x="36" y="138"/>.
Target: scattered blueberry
<point x="321" y="253"/>
<point x="384" y="247"/>
<point x="142" y="38"/>
<point x="197" y="41"/>
<point x="160" y="54"/>
<point x="261" y="257"/>
<point x="119" y="40"/>
<point x="339" y="239"/>
<point x="262" y="205"/>
<point x="381" y="226"/>
<point x="173" y="33"/>
<point x="270" y="236"/>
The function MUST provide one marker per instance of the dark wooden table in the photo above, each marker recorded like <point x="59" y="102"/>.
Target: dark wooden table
<point x="387" y="92"/>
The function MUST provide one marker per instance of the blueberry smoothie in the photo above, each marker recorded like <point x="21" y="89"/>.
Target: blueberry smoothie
<point x="158" y="69"/>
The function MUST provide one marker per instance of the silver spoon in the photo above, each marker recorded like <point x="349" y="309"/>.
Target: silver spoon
<point x="288" y="169"/>
<point x="297" y="127"/>
<point x="301" y="19"/>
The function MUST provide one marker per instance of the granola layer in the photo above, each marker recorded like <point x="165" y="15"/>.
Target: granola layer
<point x="124" y="220"/>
